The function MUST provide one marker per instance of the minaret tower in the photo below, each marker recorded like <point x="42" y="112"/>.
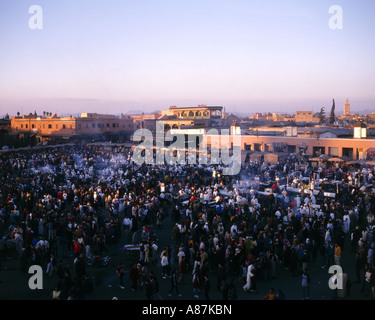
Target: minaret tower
<point x="347" y="108"/>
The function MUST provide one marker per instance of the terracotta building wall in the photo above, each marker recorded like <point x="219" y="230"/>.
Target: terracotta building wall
<point x="307" y="144"/>
<point x="44" y="126"/>
<point x="68" y="126"/>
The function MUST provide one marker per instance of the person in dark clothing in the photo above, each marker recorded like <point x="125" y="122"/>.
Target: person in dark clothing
<point x="293" y="262"/>
<point x="149" y="294"/>
<point x="133" y="277"/>
<point x="206" y="286"/>
<point x="80" y="267"/>
<point x="121" y="273"/>
<point x="174" y="284"/>
<point x="60" y="270"/>
<point x="220" y="276"/>
<point x="155" y="281"/>
<point x="225" y="290"/>
<point x="280" y="295"/>
<point x="232" y="291"/>
<point x="68" y="286"/>
<point x="358" y="267"/>
<point x="87" y="287"/>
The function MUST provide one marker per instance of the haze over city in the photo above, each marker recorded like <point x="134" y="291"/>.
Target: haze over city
<point x="248" y="56"/>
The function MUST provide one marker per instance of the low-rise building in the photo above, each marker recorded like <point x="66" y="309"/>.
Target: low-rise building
<point x="66" y="127"/>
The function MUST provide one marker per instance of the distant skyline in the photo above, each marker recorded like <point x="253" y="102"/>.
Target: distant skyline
<point x="247" y="55"/>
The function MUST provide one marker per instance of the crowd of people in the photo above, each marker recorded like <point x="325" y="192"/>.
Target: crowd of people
<point x="85" y="200"/>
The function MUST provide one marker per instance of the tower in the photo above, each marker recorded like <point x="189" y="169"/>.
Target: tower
<point x="347" y="108"/>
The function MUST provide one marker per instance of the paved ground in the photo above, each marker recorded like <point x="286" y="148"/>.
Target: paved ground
<point x="14" y="283"/>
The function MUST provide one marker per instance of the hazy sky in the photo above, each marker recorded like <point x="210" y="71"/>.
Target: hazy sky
<point x="248" y="55"/>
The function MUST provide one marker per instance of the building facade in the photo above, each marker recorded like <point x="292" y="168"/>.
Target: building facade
<point x="306" y="116"/>
<point x="201" y="116"/>
<point x="85" y="124"/>
<point x="350" y="148"/>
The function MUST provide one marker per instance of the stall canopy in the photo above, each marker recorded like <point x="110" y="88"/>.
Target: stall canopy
<point x="256" y="156"/>
<point x="335" y="159"/>
<point x="271" y="158"/>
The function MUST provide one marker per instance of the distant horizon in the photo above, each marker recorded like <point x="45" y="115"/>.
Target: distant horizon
<point x="248" y="56"/>
<point x="150" y="110"/>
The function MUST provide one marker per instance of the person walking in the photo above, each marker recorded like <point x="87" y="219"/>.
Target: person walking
<point x="182" y="269"/>
<point x="121" y="274"/>
<point x="250" y="279"/>
<point x="87" y="287"/>
<point x="196" y="285"/>
<point x="133" y="276"/>
<point x="367" y="284"/>
<point x="174" y="284"/>
<point x="155" y="286"/>
<point x="206" y="287"/>
<point x="221" y="277"/>
<point x="330" y="252"/>
<point x="164" y="265"/>
<point x="337" y="253"/>
<point x="306" y="281"/>
<point x="232" y="290"/>
<point x="358" y="267"/>
<point x="51" y="266"/>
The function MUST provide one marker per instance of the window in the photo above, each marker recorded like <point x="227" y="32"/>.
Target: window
<point x="113" y="125"/>
<point x="33" y="126"/>
<point x="26" y="126"/>
<point x="57" y="126"/>
<point x="50" y="126"/>
<point x="107" y="125"/>
<point x="333" y="151"/>
<point x="21" y="126"/>
<point x="317" y="151"/>
<point x="64" y="127"/>
<point x="347" y="152"/>
<point x="93" y="125"/>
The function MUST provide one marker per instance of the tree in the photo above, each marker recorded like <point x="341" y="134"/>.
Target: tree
<point x="332" y="116"/>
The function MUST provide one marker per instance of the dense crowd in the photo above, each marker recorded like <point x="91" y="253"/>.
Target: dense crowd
<point x="84" y="201"/>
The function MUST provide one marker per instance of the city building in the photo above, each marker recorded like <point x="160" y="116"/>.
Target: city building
<point x="201" y="116"/>
<point x="334" y="143"/>
<point x="87" y="124"/>
<point x="306" y="117"/>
